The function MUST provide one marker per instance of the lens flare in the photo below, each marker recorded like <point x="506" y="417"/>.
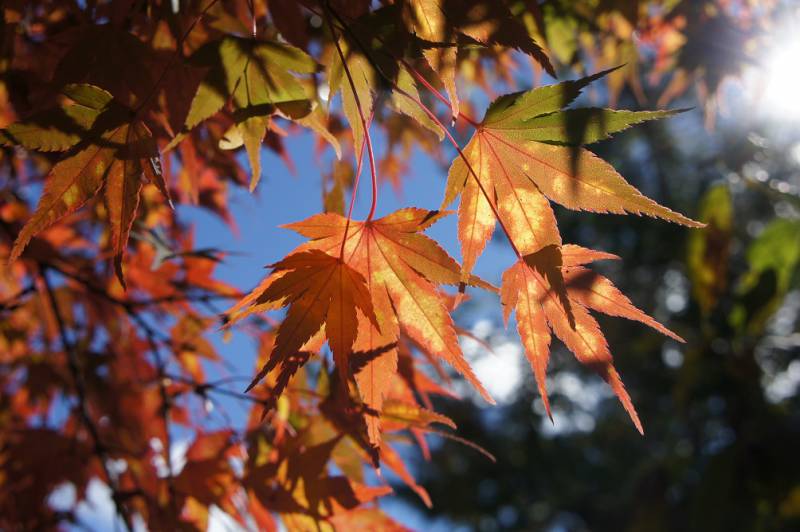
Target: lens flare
<point x="780" y="94"/>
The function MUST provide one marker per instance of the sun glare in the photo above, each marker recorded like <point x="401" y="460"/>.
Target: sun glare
<point x="779" y="92"/>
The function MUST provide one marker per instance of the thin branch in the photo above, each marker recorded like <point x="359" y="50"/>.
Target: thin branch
<point x="353" y="194"/>
<point x="201" y="388"/>
<point x="433" y="117"/>
<point x="130" y="305"/>
<point x="151" y="335"/>
<point x="73" y="364"/>
<point x="453" y="141"/>
<point x="166" y="403"/>
<point x="364" y="124"/>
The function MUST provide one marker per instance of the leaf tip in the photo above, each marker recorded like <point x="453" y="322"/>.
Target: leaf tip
<point x="254" y="183"/>
<point x="611" y="376"/>
<point x="118" y="271"/>
<point x="547" y="409"/>
<point x="16" y="251"/>
<point x="252" y="384"/>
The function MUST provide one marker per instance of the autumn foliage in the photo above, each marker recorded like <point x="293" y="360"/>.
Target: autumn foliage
<point x="115" y="112"/>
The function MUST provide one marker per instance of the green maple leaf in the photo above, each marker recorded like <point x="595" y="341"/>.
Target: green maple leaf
<point x="259" y="78"/>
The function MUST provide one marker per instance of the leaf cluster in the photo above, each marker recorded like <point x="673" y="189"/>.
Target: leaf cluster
<point x="123" y="112"/>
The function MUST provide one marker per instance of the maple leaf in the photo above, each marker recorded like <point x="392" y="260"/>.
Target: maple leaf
<point x="440" y="24"/>
<point x="290" y="20"/>
<point x="105" y="149"/>
<point x="257" y="77"/>
<point x="366" y="68"/>
<point x="492" y="23"/>
<point x="108" y="57"/>
<point x="366" y="520"/>
<point x="377" y="361"/>
<point x="427" y="19"/>
<point x="319" y="289"/>
<point x="207" y="475"/>
<point x="400" y="267"/>
<point x="358" y="95"/>
<point x="35" y="461"/>
<point x="524" y="154"/>
<point x="374" y="365"/>
<point x="401" y="415"/>
<point x="305" y="494"/>
<point x="540" y="308"/>
<point x="60" y="128"/>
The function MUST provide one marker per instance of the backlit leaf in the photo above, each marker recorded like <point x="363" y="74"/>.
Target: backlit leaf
<point x="527" y="289"/>
<point x="509" y="171"/>
<point x="319" y="290"/>
<point x="707" y="251"/>
<point x="256" y="76"/>
<point x="401" y="268"/>
<point x="114" y="154"/>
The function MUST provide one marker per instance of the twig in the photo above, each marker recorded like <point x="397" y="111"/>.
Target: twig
<point x="364" y="125"/>
<point x="133" y="303"/>
<point x="433" y="117"/>
<point x="215" y="386"/>
<point x="166" y="403"/>
<point x="452" y="140"/>
<point x="201" y="388"/>
<point x="353" y="194"/>
<point x="73" y="364"/>
<point x="151" y="335"/>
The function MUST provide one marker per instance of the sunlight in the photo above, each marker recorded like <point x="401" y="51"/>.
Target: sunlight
<point x="781" y="79"/>
<point x="499" y="370"/>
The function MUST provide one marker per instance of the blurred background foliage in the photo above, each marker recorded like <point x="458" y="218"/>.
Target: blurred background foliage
<point x="721" y="417"/>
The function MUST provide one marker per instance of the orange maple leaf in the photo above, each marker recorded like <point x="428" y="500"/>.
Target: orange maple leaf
<point x="526" y="152"/>
<point x="543" y="306"/>
<point x="400" y="268"/>
<point x="105" y="150"/>
<point x="319" y="289"/>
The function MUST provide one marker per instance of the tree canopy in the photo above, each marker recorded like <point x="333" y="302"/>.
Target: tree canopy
<point x="118" y="115"/>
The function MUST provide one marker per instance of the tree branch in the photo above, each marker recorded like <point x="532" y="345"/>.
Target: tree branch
<point x="73" y="364"/>
<point x="364" y="124"/>
<point x="431" y="115"/>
